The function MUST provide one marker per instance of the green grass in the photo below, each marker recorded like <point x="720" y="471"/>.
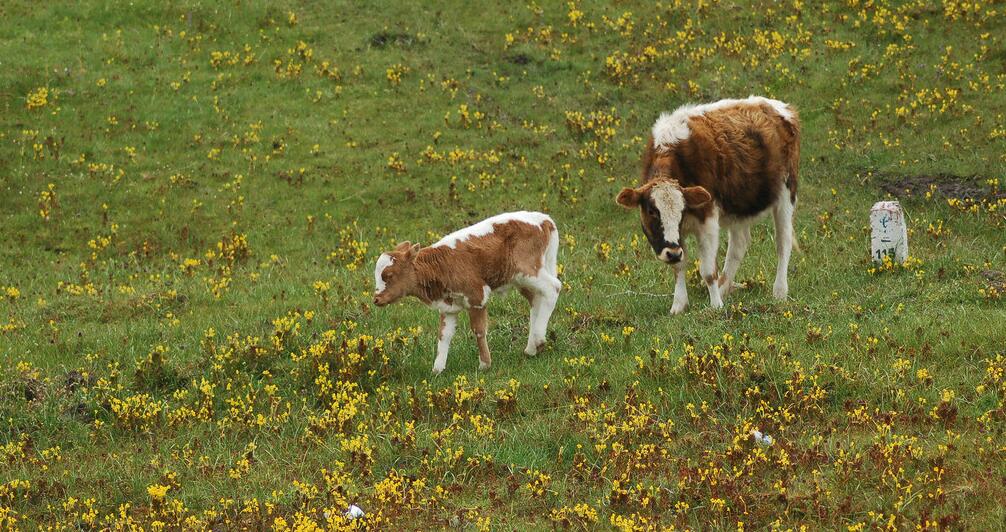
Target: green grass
<point x="882" y="390"/>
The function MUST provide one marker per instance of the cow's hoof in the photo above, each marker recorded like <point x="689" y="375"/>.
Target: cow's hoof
<point x="780" y="292"/>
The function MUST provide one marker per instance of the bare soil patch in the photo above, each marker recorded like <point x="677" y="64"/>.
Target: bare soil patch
<point x="947" y="185"/>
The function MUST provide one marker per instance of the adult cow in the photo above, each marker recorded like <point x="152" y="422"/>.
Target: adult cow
<point x="720" y="164"/>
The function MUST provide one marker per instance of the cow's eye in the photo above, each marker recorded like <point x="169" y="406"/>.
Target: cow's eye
<point x="652" y="211"/>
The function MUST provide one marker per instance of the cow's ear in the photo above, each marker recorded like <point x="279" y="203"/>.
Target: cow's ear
<point x="696" y="197"/>
<point x="403" y="246"/>
<point x="628" y="198"/>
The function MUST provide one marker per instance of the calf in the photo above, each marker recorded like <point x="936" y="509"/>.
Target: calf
<point x="721" y="164"/>
<point x="464" y="268"/>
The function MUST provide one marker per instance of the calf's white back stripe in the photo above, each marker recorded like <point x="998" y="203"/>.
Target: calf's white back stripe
<point x="485" y="227"/>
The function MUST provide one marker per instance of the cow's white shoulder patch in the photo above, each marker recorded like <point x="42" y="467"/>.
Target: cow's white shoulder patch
<point x="671" y="128"/>
<point x="782" y="108"/>
<point x="485" y="227"/>
<point x="383" y="262"/>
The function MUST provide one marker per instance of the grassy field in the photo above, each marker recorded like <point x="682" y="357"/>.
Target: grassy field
<point x="194" y="196"/>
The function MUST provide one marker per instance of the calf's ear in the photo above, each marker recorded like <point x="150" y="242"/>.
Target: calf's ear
<point x="413" y="250"/>
<point x="696" y="197"/>
<point x="628" y="198"/>
<point x="403" y="246"/>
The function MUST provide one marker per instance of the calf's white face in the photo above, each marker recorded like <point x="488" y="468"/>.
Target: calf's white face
<point x="382" y="263"/>
<point x="394" y="275"/>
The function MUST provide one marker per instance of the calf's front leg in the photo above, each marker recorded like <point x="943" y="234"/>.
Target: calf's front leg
<point x="480" y="321"/>
<point x="448" y="324"/>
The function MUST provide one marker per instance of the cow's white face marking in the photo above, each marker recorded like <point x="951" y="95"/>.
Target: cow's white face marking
<point x="383" y="262"/>
<point x="671" y="203"/>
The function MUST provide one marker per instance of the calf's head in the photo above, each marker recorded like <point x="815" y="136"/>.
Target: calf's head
<point x="662" y="205"/>
<point x="395" y="274"/>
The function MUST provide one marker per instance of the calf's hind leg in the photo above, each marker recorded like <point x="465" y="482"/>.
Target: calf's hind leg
<point x="480" y="322"/>
<point x="543" y="293"/>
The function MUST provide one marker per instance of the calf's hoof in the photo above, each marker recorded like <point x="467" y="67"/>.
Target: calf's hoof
<point x="533" y="348"/>
<point x="437" y="370"/>
<point x="727" y="288"/>
<point x="678" y="308"/>
<point x="483" y="366"/>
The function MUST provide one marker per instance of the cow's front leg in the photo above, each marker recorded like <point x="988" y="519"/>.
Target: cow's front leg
<point x="480" y="322"/>
<point x="448" y="324"/>
<point x="680" y="288"/>
<point x="709" y="243"/>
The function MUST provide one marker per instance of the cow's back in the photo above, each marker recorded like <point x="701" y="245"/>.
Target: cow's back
<point x="745" y="155"/>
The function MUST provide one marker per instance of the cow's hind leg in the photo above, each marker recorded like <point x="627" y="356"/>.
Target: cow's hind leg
<point x="709" y="241"/>
<point x="738" y="240"/>
<point x="783" y="214"/>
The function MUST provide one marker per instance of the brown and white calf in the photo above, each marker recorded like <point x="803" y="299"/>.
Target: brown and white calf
<point x="463" y="269"/>
<point x="720" y="164"/>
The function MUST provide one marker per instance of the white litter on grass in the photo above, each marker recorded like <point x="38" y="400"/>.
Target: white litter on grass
<point x="354" y="512"/>
<point x="762" y="439"/>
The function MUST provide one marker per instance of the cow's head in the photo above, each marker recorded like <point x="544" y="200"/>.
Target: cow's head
<point x="395" y="274"/>
<point x="662" y="204"/>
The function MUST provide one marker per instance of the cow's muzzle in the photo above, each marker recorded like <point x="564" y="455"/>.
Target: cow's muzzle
<point x="671" y="254"/>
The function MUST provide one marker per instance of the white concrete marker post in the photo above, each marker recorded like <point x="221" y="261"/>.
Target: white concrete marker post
<point x="890" y="232"/>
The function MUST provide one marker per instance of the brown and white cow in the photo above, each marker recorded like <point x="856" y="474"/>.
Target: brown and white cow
<point x="464" y="268"/>
<point x="721" y="164"/>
